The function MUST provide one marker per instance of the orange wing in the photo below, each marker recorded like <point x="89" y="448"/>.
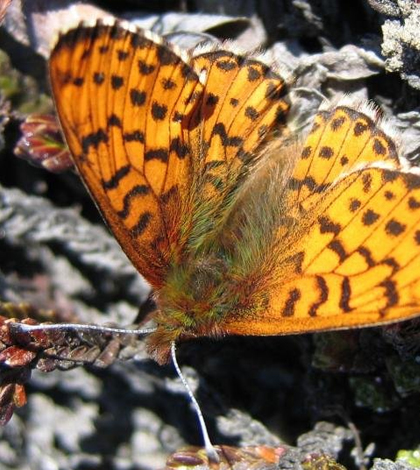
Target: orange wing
<point x="243" y="101"/>
<point x="341" y="140"/>
<point x="351" y="257"/>
<point x="149" y="129"/>
<point x="121" y="98"/>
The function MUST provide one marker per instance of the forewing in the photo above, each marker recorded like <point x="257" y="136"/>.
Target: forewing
<point x="123" y="99"/>
<point x="243" y="101"/>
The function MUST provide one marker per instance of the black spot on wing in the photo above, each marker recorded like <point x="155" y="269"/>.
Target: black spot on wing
<point x="367" y="255"/>
<point x="253" y="74"/>
<point x="345" y="295"/>
<point x="413" y="203"/>
<point x="144" y="68"/>
<point x="161" y="154"/>
<point x="394" y="228"/>
<point x="166" y="56"/>
<point x="114" y="121"/>
<point x="94" y="139"/>
<point x="323" y="296"/>
<point x="98" y="78"/>
<point x="367" y="182"/>
<point x="141" y="225"/>
<point x="289" y="307"/>
<point x="137" y="97"/>
<point x="338" y="248"/>
<point x="159" y="111"/>
<point x="231" y="141"/>
<point x="226" y="65"/>
<point x="138" y="190"/>
<point x="359" y="128"/>
<point x="78" y="81"/>
<point x="337" y="123"/>
<point x="306" y="152"/>
<point x="211" y="99"/>
<point x="328" y="226"/>
<point x="168" y="84"/>
<point x="113" y="182"/>
<point x="122" y="55"/>
<point x="354" y="205"/>
<point x="369" y="217"/>
<point x="251" y="113"/>
<point x="378" y="147"/>
<point x="315" y="127"/>
<point x="134" y="136"/>
<point x="326" y="152"/>
<point x="188" y="73"/>
<point x="181" y="149"/>
<point x="390" y="293"/>
<point x="116" y="82"/>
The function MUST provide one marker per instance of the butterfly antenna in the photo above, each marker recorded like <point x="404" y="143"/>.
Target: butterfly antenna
<point x="25" y="328"/>
<point x="210" y="450"/>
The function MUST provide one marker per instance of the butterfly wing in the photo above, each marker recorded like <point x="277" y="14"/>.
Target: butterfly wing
<point x="243" y="102"/>
<point x="152" y="136"/>
<point x="357" y="261"/>
<point x="340" y="141"/>
<point x="123" y="98"/>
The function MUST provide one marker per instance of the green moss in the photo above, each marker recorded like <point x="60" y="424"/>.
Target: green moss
<point x="374" y="393"/>
<point x="321" y="462"/>
<point x="22" y="91"/>
<point x="404" y="374"/>
<point x="412" y="457"/>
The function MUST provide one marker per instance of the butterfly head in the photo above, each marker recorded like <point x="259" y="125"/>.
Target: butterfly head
<point x="191" y="304"/>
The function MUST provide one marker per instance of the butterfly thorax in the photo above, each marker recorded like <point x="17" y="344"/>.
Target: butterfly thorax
<point x="194" y="302"/>
<point x="227" y="265"/>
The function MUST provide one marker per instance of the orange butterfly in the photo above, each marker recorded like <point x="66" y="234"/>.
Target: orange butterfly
<point x="235" y="235"/>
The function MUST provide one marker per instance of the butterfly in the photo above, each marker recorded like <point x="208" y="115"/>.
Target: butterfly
<point x="239" y="227"/>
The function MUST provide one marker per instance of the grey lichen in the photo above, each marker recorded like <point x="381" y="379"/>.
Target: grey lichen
<point x="401" y="43"/>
